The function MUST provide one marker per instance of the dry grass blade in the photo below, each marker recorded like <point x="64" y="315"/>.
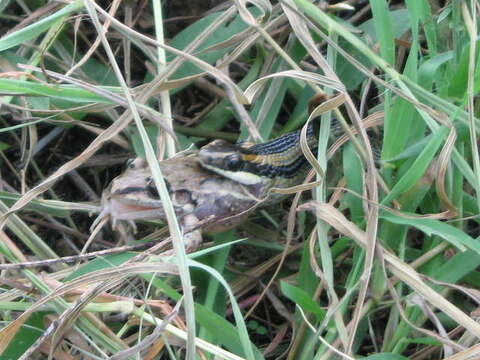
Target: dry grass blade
<point x="468" y="354"/>
<point x="442" y="166"/>
<point x="9" y="332"/>
<point x="263" y="5"/>
<point x="300" y="28"/>
<point x="399" y="268"/>
<point x="306" y="76"/>
<point x="113" y="9"/>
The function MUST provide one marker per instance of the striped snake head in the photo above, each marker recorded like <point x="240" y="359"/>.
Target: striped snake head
<point x="276" y="163"/>
<point x="231" y="161"/>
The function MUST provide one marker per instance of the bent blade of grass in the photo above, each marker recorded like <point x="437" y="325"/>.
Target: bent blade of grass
<point x="242" y="328"/>
<point x="294" y="74"/>
<point x="34" y="30"/>
<point x="471" y="24"/>
<point x="268" y="104"/>
<point x="214" y="298"/>
<point x="263" y="5"/>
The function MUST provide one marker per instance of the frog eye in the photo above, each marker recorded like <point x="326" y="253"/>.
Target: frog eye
<point x="151" y="189"/>
<point x="233" y="162"/>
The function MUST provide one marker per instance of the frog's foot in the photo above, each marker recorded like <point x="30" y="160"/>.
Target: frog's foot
<point x="192" y="239"/>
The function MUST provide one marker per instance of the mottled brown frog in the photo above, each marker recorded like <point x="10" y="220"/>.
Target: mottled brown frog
<point x="202" y="199"/>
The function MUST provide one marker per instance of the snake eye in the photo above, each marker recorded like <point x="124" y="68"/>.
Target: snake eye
<point x="130" y="163"/>
<point x="233" y="162"/>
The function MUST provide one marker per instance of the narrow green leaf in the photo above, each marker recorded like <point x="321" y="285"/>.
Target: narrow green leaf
<point x="247" y="346"/>
<point x="419" y="167"/>
<point x="37" y="28"/>
<point x="453" y="235"/>
<point x="301" y="297"/>
<point x="100" y="263"/>
<point x="64" y="92"/>
<point x="384" y="29"/>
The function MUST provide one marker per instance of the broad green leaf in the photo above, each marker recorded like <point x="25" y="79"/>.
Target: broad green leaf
<point x="25" y="337"/>
<point x="458" y="78"/>
<point x="302" y="299"/>
<point x="458" y="266"/>
<point x="352" y="167"/>
<point x="401" y="116"/>
<point x="428" y="69"/>
<point x="429" y="26"/>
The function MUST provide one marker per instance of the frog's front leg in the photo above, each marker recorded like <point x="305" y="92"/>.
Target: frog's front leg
<point x="192" y="239"/>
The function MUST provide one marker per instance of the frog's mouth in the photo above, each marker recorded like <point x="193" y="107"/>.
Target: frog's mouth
<point x="117" y="210"/>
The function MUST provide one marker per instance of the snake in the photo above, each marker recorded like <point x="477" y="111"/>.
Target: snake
<point x="276" y="163"/>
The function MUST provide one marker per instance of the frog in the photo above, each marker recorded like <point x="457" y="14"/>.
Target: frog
<point x="203" y="200"/>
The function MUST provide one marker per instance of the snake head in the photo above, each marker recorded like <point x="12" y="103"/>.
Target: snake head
<point x="230" y="161"/>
